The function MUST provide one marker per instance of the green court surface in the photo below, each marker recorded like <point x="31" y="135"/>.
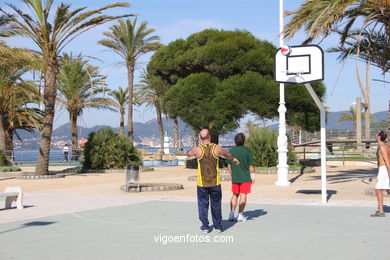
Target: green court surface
<point x="133" y="232"/>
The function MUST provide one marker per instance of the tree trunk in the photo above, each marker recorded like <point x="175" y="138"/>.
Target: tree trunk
<point x="73" y="129"/>
<point x="9" y="135"/>
<point x="6" y="136"/>
<point x="130" y="77"/>
<point x="367" y="114"/>
<point x="176" y="137"/>
<point x="122" y="122"/>
<point x="160" y="124"/>
<point x="50" y="92"/>
<point x="214" y="137"/>
<point x="196" y="136"/>
<point x="364" y="92"/>
<point x="360" y="83"/>
<point x="9" y="146"/>
<point x="2" y="133"/>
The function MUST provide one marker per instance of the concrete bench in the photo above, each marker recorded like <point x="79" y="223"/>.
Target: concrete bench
<point x="13" y="194"/>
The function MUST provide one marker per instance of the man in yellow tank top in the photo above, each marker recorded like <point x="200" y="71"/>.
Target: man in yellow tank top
<point x="208" y="180"/>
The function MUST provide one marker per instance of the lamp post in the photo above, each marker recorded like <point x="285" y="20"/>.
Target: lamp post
<point x="282" y="138"/>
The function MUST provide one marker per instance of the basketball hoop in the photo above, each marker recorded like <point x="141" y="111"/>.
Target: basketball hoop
<point x="305" y="62"/>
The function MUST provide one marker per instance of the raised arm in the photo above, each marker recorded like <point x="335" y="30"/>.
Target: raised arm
<point x="221" y="152"/>
<point x="196" y="151"/>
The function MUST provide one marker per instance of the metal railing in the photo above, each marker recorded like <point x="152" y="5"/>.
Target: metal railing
<point x="161" y="162"/>
<point x="305" y="137"/>
<point x="31" y="156"/>
<point x="339" y="152"/>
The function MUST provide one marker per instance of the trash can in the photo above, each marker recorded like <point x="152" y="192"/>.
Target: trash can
<point x="222" y="163"/>
<point x="192" y="163"/>
<point x="132" y="176"/>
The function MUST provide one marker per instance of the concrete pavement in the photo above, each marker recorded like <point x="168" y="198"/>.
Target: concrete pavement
<point x="148" y="230"/>
<point x="88" y="217"/>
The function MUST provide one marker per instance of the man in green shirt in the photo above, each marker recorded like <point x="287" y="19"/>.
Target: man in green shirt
<point x="243" y="175"/>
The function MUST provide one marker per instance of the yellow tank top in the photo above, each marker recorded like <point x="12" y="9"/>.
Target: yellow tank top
<point x="208" y="167"/>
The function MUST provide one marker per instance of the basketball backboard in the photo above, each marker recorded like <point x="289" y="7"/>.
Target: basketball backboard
<point x="299" y="64"/>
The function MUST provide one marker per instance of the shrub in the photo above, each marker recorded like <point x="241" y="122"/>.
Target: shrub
<point x="106" y="149"/>
<point x="9" y="169"/>
<point x="263" y="143"/>
<point x="3" y="159"/>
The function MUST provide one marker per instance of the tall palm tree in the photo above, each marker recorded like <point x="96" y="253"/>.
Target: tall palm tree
<point x="15" y="97"/>
<point x="51" y="32"/>
<point x="149" y="94"/>
<point x="79" y="85"/>
<point x="321" y="17"/>
<point x="22" y="116"/>
<point x="371" y="47"/>
<point x="120" y="98"/>
<point x="130" y="43"/>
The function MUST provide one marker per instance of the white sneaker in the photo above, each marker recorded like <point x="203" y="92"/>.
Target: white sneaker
<point x="231" y="216"/>
<point x="217" y="231"/>
<point x="241" y="218"/>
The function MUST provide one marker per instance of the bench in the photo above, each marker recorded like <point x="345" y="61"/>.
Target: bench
<point x="13" y="194"/>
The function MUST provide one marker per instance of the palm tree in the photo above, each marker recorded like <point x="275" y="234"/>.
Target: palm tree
<point x="148" y="93"/>
<point x="321" y="17"/>
<point x="51" y="37"/>
<point x="79" y="84"/>
<point x="351" y="117"/>
<point x="130" y="43"/>
<point x="120" y="99"/>
<point x="18" y="57"/>
<point x="15" y="96"/>
<point x="371" y="47"/>
<point x="22" y="116"/>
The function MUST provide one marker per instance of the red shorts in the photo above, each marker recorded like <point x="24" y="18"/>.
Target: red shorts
<point x="244" y="187"/>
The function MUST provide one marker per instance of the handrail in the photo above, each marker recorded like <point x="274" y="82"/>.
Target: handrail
<point x="342" y="152"/>
<point x="305" y="137"/>
<point x="31" y="156"/>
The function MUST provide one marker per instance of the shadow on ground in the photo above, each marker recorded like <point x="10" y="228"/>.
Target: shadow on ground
<point x="347" y="176"/>
<point x="30" y="224"/>
<point x="14" y="207"/>
<point x="251" y="214"/>
<point x="292" y="180"/>
<point x="329" y="193"/>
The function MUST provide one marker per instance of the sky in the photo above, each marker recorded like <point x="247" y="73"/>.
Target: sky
<point x="174" y="19"/>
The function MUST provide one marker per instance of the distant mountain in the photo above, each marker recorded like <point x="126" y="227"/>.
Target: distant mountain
<point x="334" y="116"/>
<point x="149" y="129"/>
<point x="331" y="122"/>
